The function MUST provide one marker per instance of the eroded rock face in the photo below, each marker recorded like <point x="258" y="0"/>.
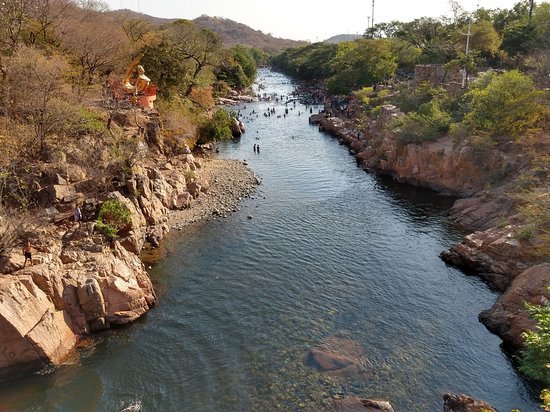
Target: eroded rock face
<point x="463" y="403"/>
<point x="508" y="317"/>
<point x="439" y="165"/>
<point x="46" y="307"/>
<point x="34" y="332"/>
<point x="338" y="356"/>
<point x="494" y="254"/>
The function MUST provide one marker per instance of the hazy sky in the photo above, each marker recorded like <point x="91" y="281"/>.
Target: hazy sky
<point x="300" y="19"/>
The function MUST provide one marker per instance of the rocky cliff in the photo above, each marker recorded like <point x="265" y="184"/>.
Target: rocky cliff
<point x="80" y="281"/>
<point x="493" y="252"/>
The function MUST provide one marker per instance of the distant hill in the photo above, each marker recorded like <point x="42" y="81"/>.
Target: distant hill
<point x="157" y="21"/>
<point x="232" y="32"/>
<point x="237" y="33"/>
<point x="343" y="37"/>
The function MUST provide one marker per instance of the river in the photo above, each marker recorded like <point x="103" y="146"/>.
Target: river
<point x="322" y="250"/>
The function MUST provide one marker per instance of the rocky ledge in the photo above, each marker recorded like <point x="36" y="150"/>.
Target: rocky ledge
<point x="494" y="253"/>
<point x="79" y="281"/>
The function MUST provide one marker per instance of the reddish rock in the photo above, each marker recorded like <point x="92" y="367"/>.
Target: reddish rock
<point x="508" y="317"/>
<point x="463" y="403"/>
<point x="494" y="254"/>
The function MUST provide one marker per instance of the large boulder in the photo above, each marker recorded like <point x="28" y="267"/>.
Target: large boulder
<point x="338" y="357"/>
<point x="495" y="254"/>
<point x="92" y="303"/>
<point x="34" y="333"/>
<point x="508" y="317"/>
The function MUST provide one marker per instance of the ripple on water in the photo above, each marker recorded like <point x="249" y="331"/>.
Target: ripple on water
<point x="331" y="252"/>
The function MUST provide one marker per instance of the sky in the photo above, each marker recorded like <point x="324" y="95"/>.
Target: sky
<point x="301" y="19"/>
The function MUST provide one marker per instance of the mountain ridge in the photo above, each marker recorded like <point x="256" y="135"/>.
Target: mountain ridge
<point x="232" y="32"/>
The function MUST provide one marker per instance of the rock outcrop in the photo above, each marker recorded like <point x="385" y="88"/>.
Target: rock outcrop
<point x="463" y="403"/>
<point x="34" y="331"/>
<point x="494" y="254"/>
<point x="439" y="165"/>
<point x="508" y="317"/>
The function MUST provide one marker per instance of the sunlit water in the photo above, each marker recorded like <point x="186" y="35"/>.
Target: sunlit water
<point x="330" y="251"/>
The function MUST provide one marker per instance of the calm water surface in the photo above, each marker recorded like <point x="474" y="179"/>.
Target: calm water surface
<point x="330" y="252"/>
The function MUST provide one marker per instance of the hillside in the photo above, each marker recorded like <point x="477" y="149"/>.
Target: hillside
<point x="235" y="33"/>
<point x="342" y="38"/>
<point x="232" y="32"/>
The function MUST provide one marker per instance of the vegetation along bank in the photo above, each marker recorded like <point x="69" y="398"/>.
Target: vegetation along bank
<point x="409" y="102"/>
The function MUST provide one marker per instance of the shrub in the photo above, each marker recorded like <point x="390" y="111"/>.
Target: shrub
<point x="536" y="211"/>
<point x="535" y="358"/>
<point x="87" y="121"/>
<point x="426" y="124"/>
<point x="504" y="106"/>
<point x="113" y="216"/>
<point x="215" y="128"/>
<point x="525" y="233"/>
<point x="410" y="98"/>
<point x="202" y="96"/>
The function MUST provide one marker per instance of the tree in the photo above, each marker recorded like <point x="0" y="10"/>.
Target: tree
<point x="361" y="63"/>
<point x="96" y="45"/>
<point x="48" y="15"/>
<point x="137" y="30"/>
<point x="198" y="45"/>
<point x="429" y="35"/>
<point x="169" y="68"/>
<point x="238" y="67"/>
<point x="13" y="16"/>
<point x="519" y="39"/>
<point x="33" y="91"/>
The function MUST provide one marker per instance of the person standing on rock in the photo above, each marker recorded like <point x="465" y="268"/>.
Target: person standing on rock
<point x="77" y="214"/>
<point x="27" y="252"/>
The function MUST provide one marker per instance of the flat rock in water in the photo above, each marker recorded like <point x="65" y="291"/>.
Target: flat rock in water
<point x="361" y="405"/>
<point x="338" y="356"/>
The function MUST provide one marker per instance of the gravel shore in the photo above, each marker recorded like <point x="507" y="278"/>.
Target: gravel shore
<point x="230" y="182"/>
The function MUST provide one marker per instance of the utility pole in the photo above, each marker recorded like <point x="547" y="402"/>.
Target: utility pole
<point x="368" y="24"/>
<point x="531" y="9"/>
<point x="372" y="20"/>
<point x="468" y="35"/>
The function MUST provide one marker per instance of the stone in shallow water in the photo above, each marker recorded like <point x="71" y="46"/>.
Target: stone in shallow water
<point x="361" y="405"/>
<point x="338" y="356"/>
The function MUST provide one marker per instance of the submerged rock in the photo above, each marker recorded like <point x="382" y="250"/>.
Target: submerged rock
<point x="338" y="356"/>
<point x="361" y="405"/>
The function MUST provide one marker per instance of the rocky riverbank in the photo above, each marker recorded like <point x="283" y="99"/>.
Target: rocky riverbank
<point x="494" y="252"/>
<point x="81" y="282"/>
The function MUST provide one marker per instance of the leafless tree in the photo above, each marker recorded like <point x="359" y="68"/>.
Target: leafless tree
<point x="33" y="91"/>
<point x="95" y="44"/>
<point x="13" y="14"/>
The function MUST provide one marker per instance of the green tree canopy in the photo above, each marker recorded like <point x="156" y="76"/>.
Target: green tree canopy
<point x="361" y="63"/>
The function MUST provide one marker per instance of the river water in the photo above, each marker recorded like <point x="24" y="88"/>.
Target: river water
<point x="323" y="250"/>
